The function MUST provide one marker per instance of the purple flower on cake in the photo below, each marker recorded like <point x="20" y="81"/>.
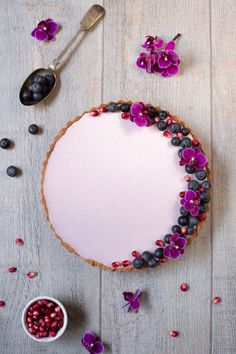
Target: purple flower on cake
<point x="45" y="30"/>
<point x="191" y="202"/>
<point x="92" y="343"/>
<point x="133" y="300"/>
<point x="176" y="247"/>
<point x="139" y="114"/>
<point x="194" y="157"/>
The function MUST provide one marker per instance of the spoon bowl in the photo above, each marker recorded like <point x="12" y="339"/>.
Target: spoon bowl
<point x="38" y="85"/>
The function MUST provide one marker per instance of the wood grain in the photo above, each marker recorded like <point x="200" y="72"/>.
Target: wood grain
<point x="103" y="69"/>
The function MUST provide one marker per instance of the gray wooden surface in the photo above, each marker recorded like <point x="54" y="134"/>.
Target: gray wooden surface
<point x="103" y="69"/>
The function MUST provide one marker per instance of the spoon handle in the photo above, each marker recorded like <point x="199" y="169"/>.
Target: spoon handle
<point x="92" y="17"/>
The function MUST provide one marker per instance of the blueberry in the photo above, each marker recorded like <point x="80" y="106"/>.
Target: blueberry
<point x="175" y="141"/>
<point x="194" y="185"/>
<point x="12" y="171"/>
<point x="189" y="169"/>
<point x="37" y="96"/>
<point x="201" y="175"/>
<point x="50" y="79"/>
<point x="202" y="208"/>
<point x="162" y="125"/>
<point x="183" y="211"/>
<point x="193" y="221"/>
<point x="152" y="263"/>
<point x="186" y="142"/>
<point x="175" y="128"/>
<point x="112" y="107"/>
<point x="190" y="230"/>
<point x="206" y="185"/>
<point x="185" y="131"/>
<point x="153" y="113"/>
<point x="125" y="107"/>
<point x="183" y="220"/>
<point x="205" y="197"/>
<point x="138" y="263"/>
<point x="27" y="95"/>
<point x="158" y="253"/>
<point x="176" y="228"/>
<point x="33" y="129"/>
<point x="5" y="143"/>
<point x="162" y="115"/>
<point x="147" y="256"/>
<point x="40" y="79"/>
<point x="180" y="152"/>
<point x="35" y="87"/>
<point x="167" y="238"/>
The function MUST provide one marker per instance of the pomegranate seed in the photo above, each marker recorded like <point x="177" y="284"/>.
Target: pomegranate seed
<point x="35" y="313"/>
<point x="180" y="135"/>
<point x="157" y="120"/>
<point x="53" y="324"/>
<point x="31" y="275"/>
<point x="60" y="323"/>
<point x="167" y="134"/>
<point x="94" y="113"/>
<point x="102" y="109"/>
<point x="126" y="263"/>
<point x="60" y="314"/>
<point x="116" y="264"/>
<point x="187" y="178"/>
<point x="41" y="329"/>
<point x="53" y="315"/>
<point x="36" y="327"/>
<point x="29" y="320"/>
<point x="195" y="142"/>
<point x="32" y="330"/>
<point x="183" y="231"/>
<point x="182" y="194"/>
<point x="160" y="243"/>
<point x="174" y="333"/>
<point x="169" y="121"/>
<point x="57" y="309"/>
<point x="163" y="259"/>
<point x="52" y="333"/>
<point x="181" y="163"/>
<point x="136" y="254"/>
<point x="44" y="302"/>
<point x="125" y="115"/>
<point x="184" y="287"/>
<point x="201" y="189"/>
<point x="217" y="300"/>
<point x="50" y="304"/>
<point x="202" y="217"/>
<point x="41" y="321"/>
<point x="38" y="335"/>
<point x="12" y="270"/>
<point x="2" y="303"/>
<point x="36" y="306"/>
<point x="19" y="241"/>
<point x="30" y="325"/>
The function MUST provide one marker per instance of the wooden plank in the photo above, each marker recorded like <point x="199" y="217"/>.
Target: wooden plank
<point x="164" y="306"/>
<point x="61" y="274"/>
<point x="224" y="170"/>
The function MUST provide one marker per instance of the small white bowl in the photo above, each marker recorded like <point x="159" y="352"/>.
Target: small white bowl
<point x="44" y="339"/>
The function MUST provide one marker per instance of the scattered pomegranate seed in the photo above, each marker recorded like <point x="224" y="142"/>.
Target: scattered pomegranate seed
<point x="202" y="217"/>
<point x="182" y="194"/>
<point x="12" y="270"/>
<point x="195" y="142"/>
<point x="187" y="178"/>
<point x="126" y="263"/>
<point x="160" y="243"/>
<point x="163" y="259"/>
<point x="125" y="115"/>
<point x="116" y="264"/>
<point x="217" y="300"/>
<point x="169" y="121"/>
<point x="181" y="163"/>
<point x="32" y="274"/>
<point x="94" y="113"/>
<point x="2" y="303"/>
<point x="183" y="231"/>
<point x="174" y="333"/>
<point x="167" y="134"/>
<point x="184" y="287"/>
<point x="136" y="254"/>
<point x="19" y="241"/>
<point x="103" y="109"/>
<point x="180" y="135"/>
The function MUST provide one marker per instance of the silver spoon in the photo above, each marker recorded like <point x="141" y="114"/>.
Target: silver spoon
<point x="41" y="82"/>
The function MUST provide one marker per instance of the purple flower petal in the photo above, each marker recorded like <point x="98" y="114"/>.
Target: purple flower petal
<point x="173" y="70"/>
<point x="34" y="32"/>
<point x="136" y="108"/>
<point x="163" y="59"/>
<point x="174" y="237"/>
<point x="197" y="150"/>
<point x="51" y="37"/>
<point x="141" y="121"/>
<point x="150" y="62"/>
<point x="88" y="338"/>
<point x="164" y="73"/>
<point x="141" y="62"/>
<point x="194" y="210"/>
<point x="41" y="35"/>
<point x="173" y="57"/>
<point x="201" y="159"/>
<point x="190" y="195"/>
<point x="98" y="347"/>
<point x="159" y="43"/>
<point x="187" y="154"/>
<point x="170" y="46"/>
<point x="181" y="242"/>
<point x="135" y="304"/>
<point x="128" y="296"/>
<point x="52" y="27"/>
<point x="174" y="253"/>
<point x="167" y="251"/>
<point x="48" y="20"/>
<point x="137" y="294"/>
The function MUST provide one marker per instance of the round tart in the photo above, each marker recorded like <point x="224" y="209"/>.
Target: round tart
<point x="125" y="186"/>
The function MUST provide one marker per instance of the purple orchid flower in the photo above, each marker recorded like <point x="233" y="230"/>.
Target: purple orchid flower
<point x="92" y="343"/>
<point x="139" y="114"/>
<point x="176" y="247"/>
<point x="45" y="30"/>
<point x="152" y="43"/>
<point x="191" y="202"/>
<point x="133" y="300"/>
<point x="194" y="157"/>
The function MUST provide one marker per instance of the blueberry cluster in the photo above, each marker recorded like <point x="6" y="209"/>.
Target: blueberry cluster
<point x="149" y="259"/>
<point x="38" y="87"/>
